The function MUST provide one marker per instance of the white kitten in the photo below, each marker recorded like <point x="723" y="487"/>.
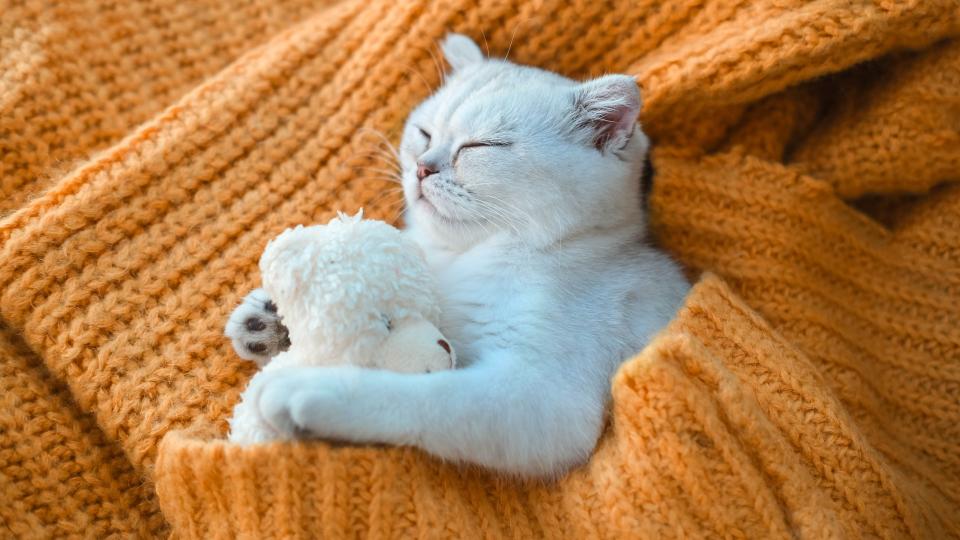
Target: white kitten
<point x="523" y="187"/>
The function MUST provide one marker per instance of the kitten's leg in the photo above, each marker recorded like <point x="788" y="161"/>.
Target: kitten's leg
<point x="498" y="414"/>
<point x="255" y="328"/>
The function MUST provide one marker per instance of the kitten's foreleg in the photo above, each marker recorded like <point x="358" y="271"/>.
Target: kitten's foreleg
<point x="505" y="416"/>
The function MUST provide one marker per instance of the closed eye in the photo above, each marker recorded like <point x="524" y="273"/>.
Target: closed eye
<point x="425" y="134"/>
<point x="480" y="144"/>
<point x="475" y="144"/>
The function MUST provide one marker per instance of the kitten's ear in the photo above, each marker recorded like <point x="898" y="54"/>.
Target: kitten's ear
<point x="461" y="51"/>
<point x="606" y="110"/>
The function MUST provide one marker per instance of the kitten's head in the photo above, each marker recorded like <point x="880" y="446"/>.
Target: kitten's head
<point x="504" y="148"/>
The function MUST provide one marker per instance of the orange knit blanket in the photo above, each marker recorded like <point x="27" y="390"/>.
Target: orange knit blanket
<point x="807" y="156"/>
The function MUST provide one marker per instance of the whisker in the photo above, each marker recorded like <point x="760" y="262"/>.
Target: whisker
<point x="510" y="47"/>
<point x="383" y="138"/>
<point x="385" y="173"/>
<point x="373" y="179"/>
<point x="485" y="44"/>
<point x="382" y="174"/>
<point x="399" y="212"/>
<point x="381" y="159"/>
<point x="388" y="156"/>
<point x="486" y="221"/>
<point x="386" y="193"/>
<point x="437" y="64"/>
<point x="508" y="209"/>
<point x="423" y="79"/>
<point x="488" y="208"/>
<point x="497" y="212"/>
<point x="476" y="218"/>
<point x="375" y="152"/>
<point x="506" y="213"/>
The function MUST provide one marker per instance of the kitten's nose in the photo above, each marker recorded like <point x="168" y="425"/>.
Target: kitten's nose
<point x="424" y="170"/>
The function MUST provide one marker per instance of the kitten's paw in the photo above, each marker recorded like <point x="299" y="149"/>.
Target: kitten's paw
<point x="270" y="394"/>
<point x="255" y="329"/>
<point x="302" y="402"/>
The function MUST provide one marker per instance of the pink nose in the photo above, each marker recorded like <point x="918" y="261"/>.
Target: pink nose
<point x="424" y="170"/>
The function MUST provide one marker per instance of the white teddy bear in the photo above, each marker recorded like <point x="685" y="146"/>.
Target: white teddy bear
<point x="352" y="291"/>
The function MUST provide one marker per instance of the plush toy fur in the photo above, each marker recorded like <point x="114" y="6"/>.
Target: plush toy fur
<point x="352" y="291"/>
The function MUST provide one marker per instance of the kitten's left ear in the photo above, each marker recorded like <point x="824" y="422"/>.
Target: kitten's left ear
<point x="606" y="108"/>
<point x="461" y="51"/>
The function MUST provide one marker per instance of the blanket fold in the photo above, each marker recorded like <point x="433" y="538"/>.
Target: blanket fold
<point x="806" y="164"/>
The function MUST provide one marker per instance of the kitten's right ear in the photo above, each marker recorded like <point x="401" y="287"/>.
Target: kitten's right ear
<point x="461" y="51"/>
<point x="606" y="109"/>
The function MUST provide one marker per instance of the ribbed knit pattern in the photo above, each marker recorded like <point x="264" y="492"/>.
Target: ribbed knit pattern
<point x="805" y="159"/>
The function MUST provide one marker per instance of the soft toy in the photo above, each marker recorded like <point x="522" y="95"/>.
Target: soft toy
<point x="352" y="291"/>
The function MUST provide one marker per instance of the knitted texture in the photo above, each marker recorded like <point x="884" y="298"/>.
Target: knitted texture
<point x="806" y="154"/>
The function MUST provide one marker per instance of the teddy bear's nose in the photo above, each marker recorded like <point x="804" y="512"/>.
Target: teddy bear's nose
<point x="424" y="170"/>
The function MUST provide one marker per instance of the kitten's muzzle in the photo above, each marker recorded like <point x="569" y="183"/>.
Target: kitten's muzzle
<point x="424" y="170"/>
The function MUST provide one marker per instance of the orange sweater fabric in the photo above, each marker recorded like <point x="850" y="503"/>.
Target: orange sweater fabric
<point x="807" y="159"/>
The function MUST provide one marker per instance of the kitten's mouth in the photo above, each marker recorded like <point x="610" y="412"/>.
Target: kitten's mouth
<point x="430" y="206"/>
<point x="433" y="209"/>
<point x="422" y="199"/>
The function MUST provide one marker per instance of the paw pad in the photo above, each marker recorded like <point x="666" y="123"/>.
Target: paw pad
<point x="255" y="329"/>
<point x="255" y="324"/>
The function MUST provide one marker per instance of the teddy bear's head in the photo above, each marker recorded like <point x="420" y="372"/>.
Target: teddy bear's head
<point x="344" y="288"/>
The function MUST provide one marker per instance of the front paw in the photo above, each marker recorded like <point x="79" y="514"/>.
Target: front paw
<point x="255" y="329"/>
<point x="305" y="402"/>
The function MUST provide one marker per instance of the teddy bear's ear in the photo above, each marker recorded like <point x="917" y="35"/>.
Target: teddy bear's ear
<point x="346" y="218"/>
<point x="284" y="264"/>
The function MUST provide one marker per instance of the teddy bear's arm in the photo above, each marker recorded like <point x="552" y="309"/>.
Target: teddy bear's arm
<point x="255" y="329"/>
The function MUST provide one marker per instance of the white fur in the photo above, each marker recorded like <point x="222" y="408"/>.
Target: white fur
<point x="350" y="292"/>
<point x="537" y="245"/>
